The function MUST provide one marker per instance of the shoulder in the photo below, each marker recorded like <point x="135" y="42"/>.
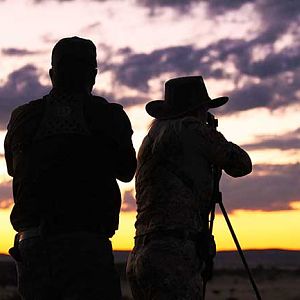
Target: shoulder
<point x="27" y="106"/>
<point x="115" y="109"/>
<point x="103" y="103"/>
<point x="25" y="110"/>
<point x="102" y="112"/>
<point x="97" y="100"/>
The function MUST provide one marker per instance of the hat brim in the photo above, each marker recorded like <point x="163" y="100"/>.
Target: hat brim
<point x="160" y="109"/>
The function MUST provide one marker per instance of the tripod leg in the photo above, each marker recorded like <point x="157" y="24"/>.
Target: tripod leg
<point x="239" y="250"/>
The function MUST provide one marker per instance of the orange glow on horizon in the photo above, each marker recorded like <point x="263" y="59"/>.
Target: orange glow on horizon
<point x="254" y="229"/>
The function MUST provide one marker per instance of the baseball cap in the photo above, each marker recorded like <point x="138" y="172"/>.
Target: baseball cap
<point x="74" y="49"/>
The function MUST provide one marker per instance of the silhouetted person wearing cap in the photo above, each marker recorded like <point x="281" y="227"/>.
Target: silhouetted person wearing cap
<point x="174" y="185"/>
<point x="65" y="152"/>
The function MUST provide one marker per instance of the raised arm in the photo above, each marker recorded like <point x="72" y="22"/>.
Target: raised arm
<point x="217" y="150"/>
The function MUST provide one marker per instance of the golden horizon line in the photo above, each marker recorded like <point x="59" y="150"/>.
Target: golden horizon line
<point x="219" y="250"/>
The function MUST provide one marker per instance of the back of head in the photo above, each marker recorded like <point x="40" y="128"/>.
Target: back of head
<point x="74" y="64"/>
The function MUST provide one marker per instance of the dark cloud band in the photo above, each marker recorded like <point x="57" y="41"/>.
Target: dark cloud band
<point x="287" y="141"/>
<point x="17" y="52"/>
<point x="268" y="188"/>
<point x="273" y="90"/>
<point x="22" y="85"/>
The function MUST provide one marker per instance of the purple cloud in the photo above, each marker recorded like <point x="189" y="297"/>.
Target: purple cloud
<point x="138" y="68"/>
<point x="264" y="82"/>
<point x="276" y="16"/>
<point x="268" y="188"/>
<point x="129" y="203"/>
<point x="22" y="85"/>
<point x="17" y="52"/>
<point x="220" y="7"/>
<point x="274" y="89"/>
<point x="183" y="6"/>
<point x="287" y="141"/>
<point x="147" y="3"/>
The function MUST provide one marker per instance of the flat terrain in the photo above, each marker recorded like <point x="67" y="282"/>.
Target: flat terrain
<point x="235" y="285"/>
<point x="273" y="285"/>
<point x="276" y="272"/>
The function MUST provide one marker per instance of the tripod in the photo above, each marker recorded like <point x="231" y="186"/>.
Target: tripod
<point x="217" y="199"/>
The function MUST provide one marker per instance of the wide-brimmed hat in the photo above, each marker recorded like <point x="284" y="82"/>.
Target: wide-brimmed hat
<point x="74" y="49"/>
<point x="182" y="95"/>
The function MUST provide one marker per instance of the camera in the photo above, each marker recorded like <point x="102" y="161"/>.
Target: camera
<point x="211" y="120"/>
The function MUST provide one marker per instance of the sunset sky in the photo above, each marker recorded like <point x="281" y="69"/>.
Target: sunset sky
<point x="247" y="50"/>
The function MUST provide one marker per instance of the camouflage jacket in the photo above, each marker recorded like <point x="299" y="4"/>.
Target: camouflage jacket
<point x="174" y="180"/>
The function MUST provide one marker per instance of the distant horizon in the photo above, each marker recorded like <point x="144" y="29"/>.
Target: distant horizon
<point x="234" y="250"/>
<point x="220" y="250"/>
<point x="256" y="258"/>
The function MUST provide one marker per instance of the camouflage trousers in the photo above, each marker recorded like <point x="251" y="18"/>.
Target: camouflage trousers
<point x="67" y="267"/>
<point x="165" y="269"/>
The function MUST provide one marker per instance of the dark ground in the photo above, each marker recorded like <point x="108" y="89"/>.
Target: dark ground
<point x="276" y="272"/>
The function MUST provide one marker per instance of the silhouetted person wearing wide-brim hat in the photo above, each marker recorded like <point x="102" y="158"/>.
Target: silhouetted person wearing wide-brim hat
<point x="174" y="187"/>
<point x="65" y="152"/>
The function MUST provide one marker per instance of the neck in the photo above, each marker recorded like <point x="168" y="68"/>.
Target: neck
<point x="71" y="91"/>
